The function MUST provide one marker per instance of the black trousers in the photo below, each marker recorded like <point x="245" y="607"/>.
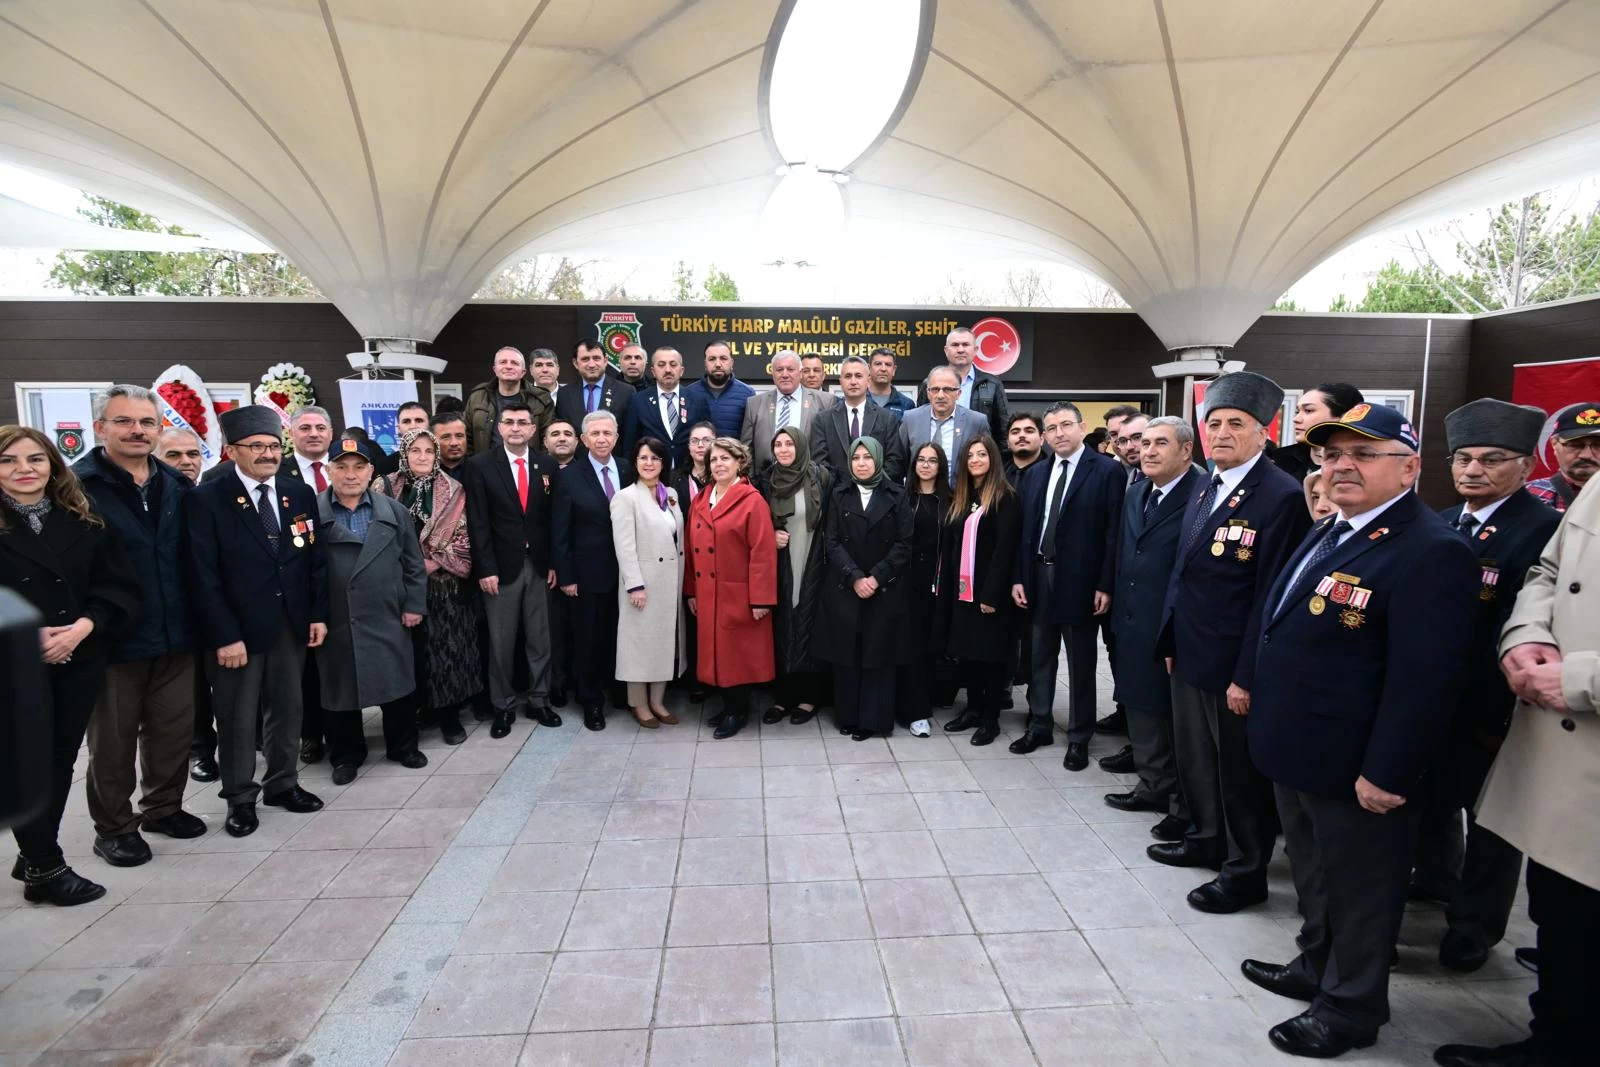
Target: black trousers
<point x="1568" y="916"/>
<point x="986" y="684"/>
<point x="1350" y="868"/>
<point x="1047" y="640"/>
<point x="736" y="699"/>
<point x="347" y="741"/>
<point x="69" y="694"/>
<point x="794" y="688"/>
<point x="863" y="698"/>
<point x="594" y="649"/>
<point x="1230" y="803"/>
<point x="562" y="640"/>
<point x="313" y="718"/>
<point x="204" y="744"/>
<point x="913" y="690"/>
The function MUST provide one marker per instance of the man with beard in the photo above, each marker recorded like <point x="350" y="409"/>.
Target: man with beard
<point x="1577" y="447"/>
<point x="1024" y="440"/>
<point x="725" y="396"/>
<point x="561" y="444"/>
<point x="634" y="366"/>
<point x="450" y="430"/>
<point x="1126" y="441"/>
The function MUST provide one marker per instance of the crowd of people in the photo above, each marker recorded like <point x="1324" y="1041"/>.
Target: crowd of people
<point x="1299" y="646"/>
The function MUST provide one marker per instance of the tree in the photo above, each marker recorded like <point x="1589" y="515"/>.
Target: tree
<point x="959" y="291"/>
<point x="720" y="286"/>
<point x="1027" y="289"/>
<point x="1420" y="289"/>
<point x="1285" y="304"/>
<point x="209" y="273"/>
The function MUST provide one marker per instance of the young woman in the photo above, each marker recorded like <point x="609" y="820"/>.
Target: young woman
<point x="647" y="532"/>
<point x="1326" y="402"/>
<point x="863" y="614"/>
<point x="731" y="580"/>
<point x="688" y="482"/>
<point x="60" y="557"/>
<point x="797" y="493"/>
<point x="928" y="490"/>
<point x="449" y="656"/>
<point x="979" y="547"/>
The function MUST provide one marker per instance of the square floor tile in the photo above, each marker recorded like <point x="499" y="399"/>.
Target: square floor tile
<point x="1011" y="903"/>
<point x="291" y="875"/>
<point x="829" y="980"/>
<point x="987" y="851"/>
<point x="499" y="1051"/>
<point x="232" y="932"/>
<point x="1157" y="963"/>
<point x="965" y="1040"/>
<point x="475" y="995"/>
<point x="797" y="780"/>
<point x="631" y="864"/>
<point x="915" y="907"/>
<point x="722" y="861"/>
<point x="612" y="1048"/>
<point x="39" y="1006"/>
<point x="618" y="918"/>
<point x="543" y="867"/>
<point x="419" y="828"/>
<point x="1033" y="807"/>
<point x="334" y="929"/>
<point x="272" y="1002"/>
<point x="796" y="753"/>
<point x="1101" y="1036"/>
<point x="1065" y="848"/>
<point x="715" y="985"/>
<point x="1099" y="900"/>
<point x="517" y="922"/>
<point x="858" y="1042"/>
<point x="866" y="778"/>
<point x="938" y="776"/>
<point x="149" y="1010"/>
<point x="957" y="810"/>
<point x="897" y="854"/>
<point x="599" y="991"/>
<point x="809" y="858"/>
<point x="880" y="812"/>
<point x="383" y="872"/>
<point x="713" y="1046"/>
<point x="719" y="915"/>
<point x="711" y="783"/>
<point x="818" y="911"/>
<point x="941" y="975"/>
<point x="1052" y="969"/>
<point x="790" y="816"/>
<point x="645" y="819"/>
<point x="130" y="935"/>
<point x="724" y="818"/>
<point x="564" y="822"/>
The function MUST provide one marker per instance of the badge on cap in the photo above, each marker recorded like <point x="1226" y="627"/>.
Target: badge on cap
<point x="1589" y="417"/>
<point x="1357" y="413"/>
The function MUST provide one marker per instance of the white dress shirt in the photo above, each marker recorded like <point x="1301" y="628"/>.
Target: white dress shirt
<point x="1061" y="470"/>
<point x="307" y="475"/>
<point x="674" y="406"/>
<point x="1482" y="514"/>
<point x="793" y="400"/>
<point x="527" y="458"/>
<point x="860" y="412"/>
<point x="609" y="465"/>
<point x="250" y="486"/>
<point x="1232" y="477"/>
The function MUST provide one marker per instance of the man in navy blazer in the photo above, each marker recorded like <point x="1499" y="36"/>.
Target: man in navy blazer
<point x="260" y="585"/>
<point x="1237" y="530"/>
<point x="1152" y="522"/>
<point x="595" y="390"/>
<point x="586" y="562"/>
<point x="1357" y="677"/>
<point x="666" y="409"/>
<point x="1071" y="515"/>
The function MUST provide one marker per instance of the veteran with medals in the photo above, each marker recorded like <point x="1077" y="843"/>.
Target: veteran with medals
<point x="1357" y="678"/>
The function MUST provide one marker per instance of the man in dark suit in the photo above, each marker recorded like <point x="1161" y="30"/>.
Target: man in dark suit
<point x="1357" y="676"/>
<point x="980" y="391"/>
<point x="586" y="562"/>
<point x="856" y="416"/>
<point x="1238" y="528"/>
<point x="1071" y="514"/>
<point x="261" y="597"/>
<point x="665" y="410"/>
<point x="595" y="390"/>
<point x="508" y="520"/>
<point x="1491" y="447"/>
<point x="1152" y="521"/>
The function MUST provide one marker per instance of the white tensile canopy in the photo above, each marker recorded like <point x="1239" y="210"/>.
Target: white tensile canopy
<point x="1200" y="157"/>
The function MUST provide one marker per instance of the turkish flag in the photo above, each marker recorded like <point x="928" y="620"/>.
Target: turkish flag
<point x="1552" y="386"/>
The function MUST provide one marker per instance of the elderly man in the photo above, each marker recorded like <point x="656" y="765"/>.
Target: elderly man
<point x="724" y="394"/>
<point x="180" y="450"/>
<point x="412" y="415"/>
<point x="852" y="417"/>
<point x="813" y="372"/>
<point x="488" y="400"/>
<point x="261" y="596"/>
<point x="1357" y="676"/>
<point x="1576" y="439"/>
<point x="940" y="419"/>
<point x="544" y="367"/>
<point x="1491" y="447"/>
<point x="882" y="391"/>
<point x="788" y="404"/>
<point x="379" y="591"/>
<point x="980" y="391"/>
<point x="595" y="390"/>
<point x="666" y="410"/>
<point x="145" y="712"/>
<point x="1238" y="529"/>
<point x="586" y="562"/>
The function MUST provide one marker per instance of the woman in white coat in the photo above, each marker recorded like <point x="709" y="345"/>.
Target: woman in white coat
<point x="647" y="530"/>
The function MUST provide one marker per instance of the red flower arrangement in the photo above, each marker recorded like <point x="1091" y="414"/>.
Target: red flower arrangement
<point x="186" y="402"/>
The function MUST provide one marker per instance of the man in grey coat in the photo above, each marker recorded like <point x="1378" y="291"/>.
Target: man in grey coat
<point x="941" y="420"/>
<point x="378" y="590"/>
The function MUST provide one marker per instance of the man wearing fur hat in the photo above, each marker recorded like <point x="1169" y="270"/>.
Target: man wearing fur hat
<point x="261" y="596"/>
<point x="1239" y="528"/>
<point x="1491" y="447"/>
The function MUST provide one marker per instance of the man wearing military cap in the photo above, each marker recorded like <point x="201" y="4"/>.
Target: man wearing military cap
<point x="1575" y="431"/>
<point x="1491" y="447"/>
<point x="1357" y="678"/>
<point x="261" y="596"/>
<point x="1238" y="528"/>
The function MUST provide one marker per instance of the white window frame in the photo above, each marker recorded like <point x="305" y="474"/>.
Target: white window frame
<point x="24" y="390"/>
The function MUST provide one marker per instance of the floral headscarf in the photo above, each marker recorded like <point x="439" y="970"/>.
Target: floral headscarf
<point x="416" y="487"/>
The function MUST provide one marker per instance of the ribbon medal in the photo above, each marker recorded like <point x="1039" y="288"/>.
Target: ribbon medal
<point x="1247" y="537"/>
<point x="1491" y="578"/>
<point x="1218" y="545"/>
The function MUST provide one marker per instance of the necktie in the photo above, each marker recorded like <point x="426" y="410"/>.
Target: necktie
<point x="316" y="472"/>
<point x="1321" y="551"/>
<point x="672" y="413"/>
<point x="1467" y="524"/>
<point x="268" y="513"/>
<point x="1152" y="501"/>
<point x="522" y="482"/>
<point x="1207" y="502"/>
<point x="588" y="396"/>
<point x="1047" y="543"/>
<point x="783" y="411"/>
<point x="855" y="423"/>
<point x="605" y="482"/>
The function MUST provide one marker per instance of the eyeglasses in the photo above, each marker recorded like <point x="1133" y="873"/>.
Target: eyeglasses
<point x="123" y="422"/>
<point x="944" y="389"/>
<point x="265" y="448"/>
<point x="927" y="459"/>
<point x="1360" y="455"/>
<point x="1581" y="444"/>
<point x="1493" y="461"/>
<point x="1130" y="438"/>
<point x="523" y="424"/>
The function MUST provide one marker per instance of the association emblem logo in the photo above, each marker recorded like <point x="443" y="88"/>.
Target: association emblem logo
<point x="618" y="330"/>
<point x="1591" y="417"/>
<point x="69" y="439"/>
<point x="1357" y="413"/>
<point x="998" y="343"/>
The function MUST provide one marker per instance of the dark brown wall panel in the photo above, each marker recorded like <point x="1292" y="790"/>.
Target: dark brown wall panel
<point x="1569" y="330"/>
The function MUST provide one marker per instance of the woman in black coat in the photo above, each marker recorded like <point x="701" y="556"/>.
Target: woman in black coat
<point x="863" y="614"/>
<point x="60" y="557"/>
<point x="797" y="490"/>
<point x="979" y="550"/>
<point x="928" y="491"/>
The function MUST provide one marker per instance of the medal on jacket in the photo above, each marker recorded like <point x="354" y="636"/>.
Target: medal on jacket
<point x="1491" y="578"/>
<point x="1219" y="542"/>
<point x="1233" y="501"/>
<point x="1245" y="536"/>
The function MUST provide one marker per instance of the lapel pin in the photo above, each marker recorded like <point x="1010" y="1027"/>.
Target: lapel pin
<point x="1375" y="534"/>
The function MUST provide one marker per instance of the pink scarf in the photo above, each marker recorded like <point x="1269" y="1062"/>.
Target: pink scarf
<point x="969" y="556"/>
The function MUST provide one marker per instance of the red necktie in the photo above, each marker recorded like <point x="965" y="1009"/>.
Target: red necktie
<point x="316" y="471"/>
<point x="522" y="482"/>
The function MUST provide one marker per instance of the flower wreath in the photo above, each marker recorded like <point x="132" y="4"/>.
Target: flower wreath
<point x="286" y="389"/>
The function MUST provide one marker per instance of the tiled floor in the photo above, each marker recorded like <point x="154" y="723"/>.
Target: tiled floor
<point x="630" y="897"/>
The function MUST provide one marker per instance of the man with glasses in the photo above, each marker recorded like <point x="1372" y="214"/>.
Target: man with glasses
<point x="1126" y="441"/>
<point x="1576" y="442"/>
<point x="1357" y="675"/>
<point x="261" y="600"/>
<point x="941" y="420"/>
<point x="1491" y="451"/>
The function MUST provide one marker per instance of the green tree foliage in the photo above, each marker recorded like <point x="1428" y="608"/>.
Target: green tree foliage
<point x="1285" y="304"/>
<point x="718" y="285"/>
<point x="1419" y="289"/>
<point x="208" y="273"/>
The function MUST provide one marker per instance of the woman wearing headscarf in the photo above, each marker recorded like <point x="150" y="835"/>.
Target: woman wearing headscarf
<point x="928" y="492"/>
<point x="647" y="534"/>
<point x="448" y="659"/>
<point x="797" y="491"/>
<point x="981" y="532"/>
<point x="58" y="555"/>
<point x="863" y="614"/>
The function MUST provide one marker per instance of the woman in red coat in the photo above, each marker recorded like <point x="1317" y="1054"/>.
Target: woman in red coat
<point x="731" y="581"/>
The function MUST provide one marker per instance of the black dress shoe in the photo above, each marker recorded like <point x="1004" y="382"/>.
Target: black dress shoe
<point x="541" y="714"/>
<point x="1030" y="741"/>
<point x="965" y="721"/>
<point x="1115" y="723"/>
<point x="774" y="715"/>
<point x="1134" y="801"/>
<point x="1120" y="762"/>
<point x="1178" y="854"/>
<point x="1276" y="978"/>
<point x="985" y="734"/>
<point x="179" y="824"/>
<point x="297" y="800"/>
<point x="414" y="760"/>
<point x="1077" y="757"/>
<point x="594" y="718"/>
<point x="242" y="820"/>
<point x="558" y="697"/>
<point x="1522" y="1054"/>
<point x="1461" y="953"/>
<point x="343" y="774"/>
<point x="1306" y="1035"/>
<point x="502" y="724"/>
<point x="204" y="769"/>
<point x="1007" y="701"/>
<point x="311" y="751"/>
<point x="451" y="731"/>
<point x="1216" y="899"/>
<point x="122" y="850"/>
<point x="861" y="735"/>
<point x="729" y="725"/>
<point x="59" y="885"/>
<point x="19" y="870"/>
<point x="1528" y="957"/>
<point x="1170" y="828"/>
